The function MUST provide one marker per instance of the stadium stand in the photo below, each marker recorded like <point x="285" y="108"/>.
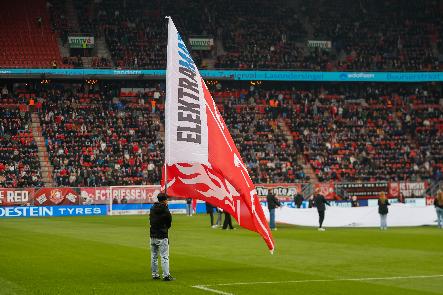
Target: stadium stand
<point x="380" y="35"/>
<point x="96" y="139"/>
<point x="111" y="135"/>
<point x="364" y="35"/>
<point x="267" y="152"/>
<point x="26" y="38"/>
<point x="375" y="133"/>
<point x="19" y="165"/>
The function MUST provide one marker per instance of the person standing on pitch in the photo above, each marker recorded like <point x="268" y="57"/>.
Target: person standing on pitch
<point x="354" y="202"/>
<point x="218" y="222"/>
<point x="320" y="201"/>
<point x="383" y="204"/>
<point x="438" y="203"/>
<point x="228" y="221"/>
<point x="210" y="211"/>
<point x="189" y="206"/>
<point x="273" y="203"/>
<point x="298" y="200"/>
<point x="160" y="220"/>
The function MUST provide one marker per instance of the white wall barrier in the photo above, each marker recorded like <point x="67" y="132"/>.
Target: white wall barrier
<point x="399" y="215"/>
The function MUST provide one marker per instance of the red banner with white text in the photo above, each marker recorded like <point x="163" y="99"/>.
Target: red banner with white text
<point x="119" y="194"/>
<point x="16" y="196"/>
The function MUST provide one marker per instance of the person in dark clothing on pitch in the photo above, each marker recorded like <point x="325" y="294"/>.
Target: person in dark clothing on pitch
<point x="228" y="221"/>
<point x="383" y="203"/>
<point x="160" y="220"/>
<point x="273" y="203"/>
<point x="210" y="211"/>
<point x="189" y="206"/>
<point x="354" y="202"/>
<point x="311" y="202"/>
<point x="320" y="201"/>
<point x="298" y="200"/>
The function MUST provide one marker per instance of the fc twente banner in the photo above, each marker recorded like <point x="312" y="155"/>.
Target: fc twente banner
<point x="201" y="158"/>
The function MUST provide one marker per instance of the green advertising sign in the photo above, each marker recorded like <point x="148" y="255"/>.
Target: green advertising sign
<point x="80" y="42"/>
<point x="201" y="43"/>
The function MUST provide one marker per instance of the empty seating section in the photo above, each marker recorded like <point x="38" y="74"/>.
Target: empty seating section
<point x="26" y="38"/>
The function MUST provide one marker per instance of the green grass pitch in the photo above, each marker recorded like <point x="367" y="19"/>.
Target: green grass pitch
<point x="109" y="255"/>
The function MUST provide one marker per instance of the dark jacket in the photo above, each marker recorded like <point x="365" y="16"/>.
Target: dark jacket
<point x="189" y="201"/>
<point x="298" y="200"/>
<point x="383" y="207"/>
<point x="209" y="208"/>
<point x="320" y="201"/>
<point x="160" y="219"/>
<point x="436" y="204"/>
<point x="273" y="202"/>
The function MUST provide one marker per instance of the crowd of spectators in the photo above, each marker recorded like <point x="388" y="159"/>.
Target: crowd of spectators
<point x="136" y="32"/>
<point x="364" y="35"/>
<point x="377" y="133"/>
<point x="380" y="35"/>
<point x="106" y="134"/>
<point x="97" y="139"/>
<point x="19" y="164"/>
<point x="267" y="151"/>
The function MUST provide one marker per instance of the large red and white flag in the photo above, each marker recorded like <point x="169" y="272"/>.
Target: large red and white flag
<point x="201" y="158"/>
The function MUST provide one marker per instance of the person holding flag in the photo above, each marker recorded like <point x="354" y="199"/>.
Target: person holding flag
<point x="201" y="159"/>
<point x="160" y="220"/>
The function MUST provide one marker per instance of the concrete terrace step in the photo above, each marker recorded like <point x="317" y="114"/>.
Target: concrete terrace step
<point x="43" y="155"/>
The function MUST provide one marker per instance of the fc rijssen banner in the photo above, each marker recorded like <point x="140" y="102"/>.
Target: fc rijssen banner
<point x="131" y="194"/>
<point x="77" y="196"/>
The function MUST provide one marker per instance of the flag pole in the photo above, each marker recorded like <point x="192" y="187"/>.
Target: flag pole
<point x="164" y="110"/>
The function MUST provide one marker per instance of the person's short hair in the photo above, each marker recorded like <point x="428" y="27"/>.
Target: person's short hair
<point x="162" y="197"/>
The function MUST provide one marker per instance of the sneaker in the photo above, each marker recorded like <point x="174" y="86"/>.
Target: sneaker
<point x="169" y="278"/>
<point x="156" y="277"/>
<point x="321" y="229"/>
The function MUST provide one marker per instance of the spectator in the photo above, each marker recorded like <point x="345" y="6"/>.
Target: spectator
<point x="383" y="210"/>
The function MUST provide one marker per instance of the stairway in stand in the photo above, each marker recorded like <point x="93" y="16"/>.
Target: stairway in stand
<point x="307" y="169"/>
<point x="43" y="156"/>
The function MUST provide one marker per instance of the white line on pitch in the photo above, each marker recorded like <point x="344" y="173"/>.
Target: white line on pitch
<point x="205" y="287"/>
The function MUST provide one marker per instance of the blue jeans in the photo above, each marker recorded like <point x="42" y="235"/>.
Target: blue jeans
<point x="439" y="217"/>
<point x="219" y="218"/>
<point x="160" y="246"/>
<point x="383" y="221"/>
<point x="272" y="218"/>
<point x="188" y="209"/>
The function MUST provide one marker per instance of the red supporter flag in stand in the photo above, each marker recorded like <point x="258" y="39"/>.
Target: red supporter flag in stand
<point x="201" y="159"/>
